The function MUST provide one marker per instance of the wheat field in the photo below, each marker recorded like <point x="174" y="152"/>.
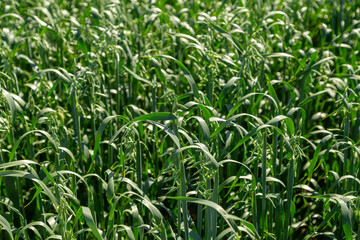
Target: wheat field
<point x="179" y="119"/>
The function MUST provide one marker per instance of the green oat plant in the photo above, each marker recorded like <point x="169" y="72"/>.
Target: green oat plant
<point x="174" y="119"/>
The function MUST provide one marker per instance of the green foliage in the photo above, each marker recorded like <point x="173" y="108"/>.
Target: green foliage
<point x="189" y="119"/>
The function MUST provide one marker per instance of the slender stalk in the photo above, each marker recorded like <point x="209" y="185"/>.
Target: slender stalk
<point x="346" y="151"/>
<point x="183" y="202"/>
<point x="209" y="84"/>
<point x="214" y="216"/>
<point x="289" y="196"/>
<point x="274" y="166"/>
<point x="76" y="124"/>
<point x="263" y="182"/>
<point x="139" y="176"/>
<point x="154" y="150"/>
<point x="208" y="214"/>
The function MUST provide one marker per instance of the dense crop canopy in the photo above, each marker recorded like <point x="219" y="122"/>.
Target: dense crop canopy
<point x="181" y="119"/>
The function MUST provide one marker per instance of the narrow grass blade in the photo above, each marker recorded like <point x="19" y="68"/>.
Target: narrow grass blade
<point x="6" y="225"/>
<point x="90" y="222"/>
